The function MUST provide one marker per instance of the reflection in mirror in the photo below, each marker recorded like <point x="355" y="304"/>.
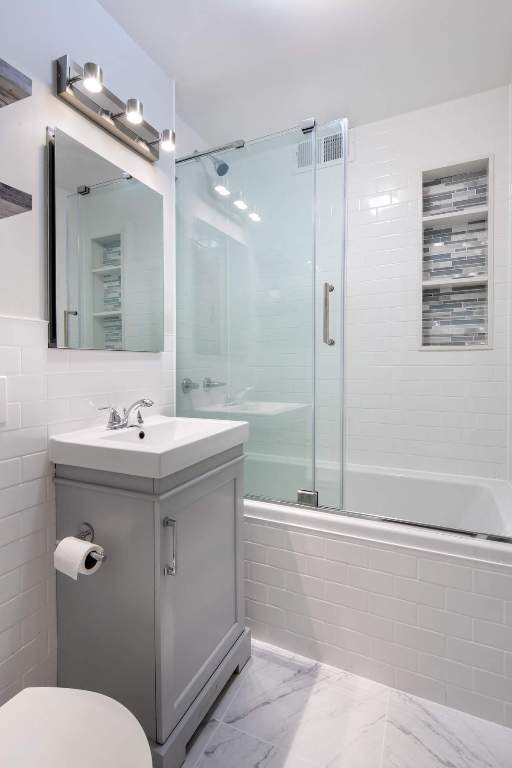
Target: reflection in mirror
<point x="106" y="264"/>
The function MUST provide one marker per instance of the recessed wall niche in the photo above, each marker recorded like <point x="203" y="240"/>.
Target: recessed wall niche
<point x="456" y="258"/>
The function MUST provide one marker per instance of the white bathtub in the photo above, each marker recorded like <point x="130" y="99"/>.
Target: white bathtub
<point x="469" y="504"/>
<point x="453" y="502"/>
<point x="388" y="601"/>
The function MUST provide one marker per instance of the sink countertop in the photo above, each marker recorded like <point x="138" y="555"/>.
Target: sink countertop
<point x="168" y="445"/>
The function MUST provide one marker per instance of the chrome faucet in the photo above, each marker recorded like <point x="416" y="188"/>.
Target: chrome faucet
<point x="117" y="420"/>
<point x="239" y="397"/>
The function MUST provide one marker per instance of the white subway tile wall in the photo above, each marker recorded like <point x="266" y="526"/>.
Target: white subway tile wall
<point x="49" y="391"/>
<point x="419" y="621"/>
<point x="439" y="411"/>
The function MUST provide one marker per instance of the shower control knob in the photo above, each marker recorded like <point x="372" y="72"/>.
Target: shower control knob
<point x="187" y="385"/>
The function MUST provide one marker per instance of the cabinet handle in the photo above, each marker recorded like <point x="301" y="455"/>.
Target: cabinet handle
<point x="170" y="567"/>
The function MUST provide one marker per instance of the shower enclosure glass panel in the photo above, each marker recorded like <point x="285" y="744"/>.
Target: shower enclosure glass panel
<point x="260" y="266"/>
<point x="246" y="302"/>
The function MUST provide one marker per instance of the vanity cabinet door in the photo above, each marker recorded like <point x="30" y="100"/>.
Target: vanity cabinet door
<point x="198" y="579"/>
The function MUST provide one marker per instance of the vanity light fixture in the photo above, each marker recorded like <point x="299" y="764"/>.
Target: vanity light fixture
<point x="240" y="204"/>
<point x="222" y="190"/>
<point x="168" y="140"/>
<point x="93" y="77"/>
<point x="107" y="116"/>
<point x="80" y="87"/>
<point x="254" y="216"/>
<point x="134" y="111"/>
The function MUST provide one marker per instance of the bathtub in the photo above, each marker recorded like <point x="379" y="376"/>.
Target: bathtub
<point x="456" y="503"/>
<point x="449" y="502"/>
<point x="424" y="610"/>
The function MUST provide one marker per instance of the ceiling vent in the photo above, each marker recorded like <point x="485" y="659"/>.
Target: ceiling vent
<point x="329" y="149"/>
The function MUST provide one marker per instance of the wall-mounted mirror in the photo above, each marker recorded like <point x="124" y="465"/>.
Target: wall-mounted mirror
<point x="106" y="253"/>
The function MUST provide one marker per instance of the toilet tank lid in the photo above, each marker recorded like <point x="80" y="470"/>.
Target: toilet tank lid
<point x="59" y="727"/>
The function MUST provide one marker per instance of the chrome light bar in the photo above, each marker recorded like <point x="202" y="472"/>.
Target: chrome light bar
<point x="73" y="85"/>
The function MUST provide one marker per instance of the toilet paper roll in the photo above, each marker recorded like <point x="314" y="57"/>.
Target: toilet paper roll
<point x="73" y="556"/>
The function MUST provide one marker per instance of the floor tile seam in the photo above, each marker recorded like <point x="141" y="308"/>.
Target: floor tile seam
<point x="208" y="740"/>
<point x="385" y="734"/>
<point x="243" y="684"/>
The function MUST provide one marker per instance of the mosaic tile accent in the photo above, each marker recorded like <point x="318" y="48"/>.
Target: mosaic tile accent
<point x="455" y="251"/>
<point x="448" y="194"/>
<point x="455" y="315"/>
<point x="112" y="326"/>
<point x="112" y="291"/>
<point x="112" y="255"/>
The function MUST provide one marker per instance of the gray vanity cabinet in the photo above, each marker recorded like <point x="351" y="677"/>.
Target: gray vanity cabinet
<point x="159" y="626"/>
<point x="200" y="611"/>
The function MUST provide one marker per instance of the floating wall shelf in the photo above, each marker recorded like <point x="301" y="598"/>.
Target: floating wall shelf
<point x="13" y="201"/>
<point x="14" y="85"/>
<point x="456" y="261"/>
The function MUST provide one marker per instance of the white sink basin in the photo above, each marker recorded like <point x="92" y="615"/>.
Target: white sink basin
<point x="161" y="446"/>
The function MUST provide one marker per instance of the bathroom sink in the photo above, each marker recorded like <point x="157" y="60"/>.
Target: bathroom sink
<point x="161" y="446"/>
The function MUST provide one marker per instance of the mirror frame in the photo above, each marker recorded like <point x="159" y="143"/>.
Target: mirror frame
<point x="51" y="289"/>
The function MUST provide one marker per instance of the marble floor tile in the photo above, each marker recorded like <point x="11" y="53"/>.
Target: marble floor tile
<point x="230" y="748"/>
<point x="422" y="734"/>
<point x="286" y="711"/>
<point x="200" y="742"/>
<point x="313" y="712"/>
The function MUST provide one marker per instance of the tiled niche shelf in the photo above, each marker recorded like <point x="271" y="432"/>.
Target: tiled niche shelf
<point x="456" y="258"/>
<point x="106" y="271"/>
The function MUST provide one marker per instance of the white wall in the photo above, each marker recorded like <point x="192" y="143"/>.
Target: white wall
<point x="441" y="411"/>
<point x="188" y="140"/>
<point x="52" y="390"/>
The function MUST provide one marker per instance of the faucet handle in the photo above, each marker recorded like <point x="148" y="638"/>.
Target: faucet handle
<point x="114" y="417"/>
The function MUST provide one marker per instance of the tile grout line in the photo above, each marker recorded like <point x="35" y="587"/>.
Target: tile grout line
<point x="384" y="736"/>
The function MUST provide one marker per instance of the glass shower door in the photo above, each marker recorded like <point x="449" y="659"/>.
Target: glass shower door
<point x="246" y="322"/>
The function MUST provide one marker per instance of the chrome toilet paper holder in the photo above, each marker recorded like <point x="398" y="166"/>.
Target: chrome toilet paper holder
<point x="86" y="533"/>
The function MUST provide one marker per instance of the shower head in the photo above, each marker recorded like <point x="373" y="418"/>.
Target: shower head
<point x="221" y="167"/>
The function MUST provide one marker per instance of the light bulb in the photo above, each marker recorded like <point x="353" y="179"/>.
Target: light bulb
<point x="222" y="190"/>
<point x="134" y="111"/>
<point x="254" y="216"/>
<point x="93" y="77"/>
<point x="168" y="140"/>
<point x="240" y="204"/>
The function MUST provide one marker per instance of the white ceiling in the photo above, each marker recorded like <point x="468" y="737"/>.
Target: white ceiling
<point x="244" y="68"/>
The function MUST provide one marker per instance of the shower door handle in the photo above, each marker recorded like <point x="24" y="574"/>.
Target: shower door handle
<point x="328" y="289"/>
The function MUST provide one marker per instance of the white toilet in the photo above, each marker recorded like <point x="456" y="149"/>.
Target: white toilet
<point x="64" y="727"/>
